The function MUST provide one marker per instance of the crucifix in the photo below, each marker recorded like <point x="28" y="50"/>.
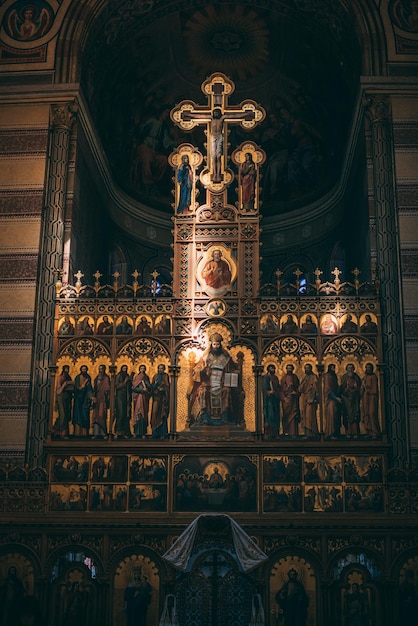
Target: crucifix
<point x="216" y="117"/>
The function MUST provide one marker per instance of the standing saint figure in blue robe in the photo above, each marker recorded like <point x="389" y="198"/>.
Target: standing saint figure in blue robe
<point x="185" y="180"/>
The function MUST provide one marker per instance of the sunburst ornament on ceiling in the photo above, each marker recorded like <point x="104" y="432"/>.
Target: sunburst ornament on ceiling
<point x="229" y="38"/>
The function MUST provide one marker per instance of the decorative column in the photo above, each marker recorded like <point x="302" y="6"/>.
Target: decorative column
<point x="259" y="416"/>
<point x="388" y="266"/>
<point x="174" y="371"/>
<point x="50" y="263"/>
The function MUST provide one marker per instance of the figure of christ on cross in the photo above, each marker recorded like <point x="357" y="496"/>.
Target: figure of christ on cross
<point x="216" y="127"/>
<point x="216" y="116"/>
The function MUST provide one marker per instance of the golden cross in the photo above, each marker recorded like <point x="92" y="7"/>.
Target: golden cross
<point x="317" y="273"/>
<point x="78" y="276"/>
<point x="297" y="273"/>
<point x="216" y="116"/>
<point x="336" y="273"/>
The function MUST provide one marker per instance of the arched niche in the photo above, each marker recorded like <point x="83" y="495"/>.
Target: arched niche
<point x="138" y="572"/>
<point x="355" y="589"/>
<point x="296" y="572"/>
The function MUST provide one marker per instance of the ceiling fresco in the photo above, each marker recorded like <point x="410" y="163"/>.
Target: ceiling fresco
<point x="299" y="59"/>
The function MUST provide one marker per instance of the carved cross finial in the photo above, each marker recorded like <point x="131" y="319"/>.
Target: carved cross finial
<point x="58" y="283"/>
<point x="155" y="275"/>
<point x="318" y="273"/>
<point x="116" y="276"/>
<point x="278" y="274"/>
<point x="135" y="274"/>
<point x="78" y="276"/>
<point x="97" y="275"/>
<point x="336" y="273"/>
<point x="297" y="273"/>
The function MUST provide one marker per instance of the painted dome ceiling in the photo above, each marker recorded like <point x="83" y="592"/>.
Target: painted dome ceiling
<point x="299" y="59"/>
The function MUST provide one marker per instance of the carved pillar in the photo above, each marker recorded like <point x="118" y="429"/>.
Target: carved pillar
<point x="174" y="372"/>
<point x="259" y="416"/>
<point x="388" y="264"/>
<point x="50" y="262"/>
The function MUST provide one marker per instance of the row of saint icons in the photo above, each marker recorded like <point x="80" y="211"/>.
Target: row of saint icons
<point x="289" y="324"/>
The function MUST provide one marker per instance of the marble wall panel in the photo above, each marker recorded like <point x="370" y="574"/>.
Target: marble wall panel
<point x="27" y="202"/>
<point x="17" y="300"/>
<point x="21" y="173"/>
<point x="19" y="234"/>
<point x="24" y="116"/>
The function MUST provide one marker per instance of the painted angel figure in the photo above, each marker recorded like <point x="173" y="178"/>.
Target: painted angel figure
<point x="28" y="23"/>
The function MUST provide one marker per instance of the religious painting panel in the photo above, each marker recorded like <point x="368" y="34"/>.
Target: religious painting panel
<point x="109" y="468"/>
<point x="108" y="498"/>
<point x="282" y="469"/>
<point x="352" y="389"/>
<point x="406" y="609"/>
<point x="323" y="498"/>
<point x="349" y="324"/>
<point x="147" y="497"/>
<point x="282" y="499"/>
<point x="105" y="326"/>
<point x="81" y="393"/>
<point x="404" y="15"/>
<point x="70" y="468"/>
<point x="68" y="497"/>
<point x="18" y="604"/>
<point x="73" y="595"/>
<point x="26" y="22"/>
<point x="185" y="160"/>
<point x="216" y="270"/>
<point x="328" y="324"/>
<point x="355" y="598"/>
<point x="148" y="469"/>
<point x="162" y="325"/>
<point x="144" y="325"/>
<point x="269" y="324"/>
<point x="363" y="469"/>
<point x="124" y="325"/>
<point x="66" y="326"/>
<point x="216" y="385"/>
<point x="308" y="324"/>
<point x="136" y="591"/>
<point x="320" y="469"/>
<point x="16" y="575"/>
<point x="85" y="325"/>
<point x="293" y="592"/>
<point x="290" y="389"/>
<point x="215" y="484"/>
<point x="368" y="324"/>
<point x="248" y="157"/>
<point x="289" y="324"/>
<point x="364" y="499"/>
